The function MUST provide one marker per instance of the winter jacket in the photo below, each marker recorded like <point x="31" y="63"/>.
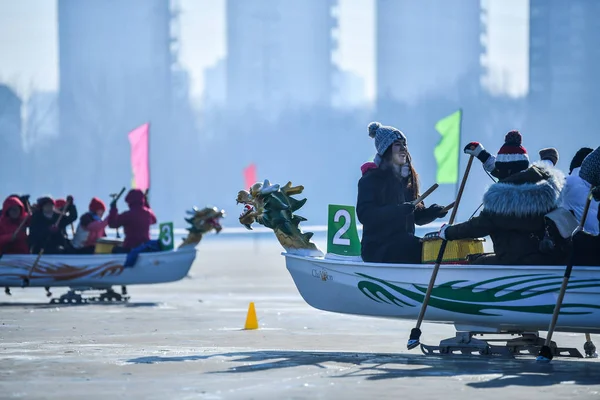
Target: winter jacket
<point x="586" y="247"/>
<point x="574" y="197"/>
<point x="388" y="221"/>
<point x="41" y="234"/>
<point x="135" y="222"/>
<point x="90" y="229"/>
<point x="513" y="216"/>
<point x="9" y="226"/>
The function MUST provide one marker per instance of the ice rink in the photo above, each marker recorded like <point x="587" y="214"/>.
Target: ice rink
<point x="184" y="340"/>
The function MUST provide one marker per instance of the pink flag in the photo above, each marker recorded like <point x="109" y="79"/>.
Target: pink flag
<point x="250" y="175"/>
<point x="138" y="139"/>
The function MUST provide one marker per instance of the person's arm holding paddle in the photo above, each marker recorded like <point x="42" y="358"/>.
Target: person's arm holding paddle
<point x="476" y="227"/>
<point x="70" y="214"/>
<point x="424" y="216"/>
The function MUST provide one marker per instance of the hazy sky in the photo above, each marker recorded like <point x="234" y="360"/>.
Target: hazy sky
<point x="29" y="48"/>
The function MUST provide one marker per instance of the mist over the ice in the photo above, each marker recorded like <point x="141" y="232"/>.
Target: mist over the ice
<point x="280" y="99"/>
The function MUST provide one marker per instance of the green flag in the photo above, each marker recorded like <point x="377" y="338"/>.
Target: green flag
<point x="448" y="149"/>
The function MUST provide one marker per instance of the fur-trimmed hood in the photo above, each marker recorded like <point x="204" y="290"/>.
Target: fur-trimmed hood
<point x="535" y="191"/>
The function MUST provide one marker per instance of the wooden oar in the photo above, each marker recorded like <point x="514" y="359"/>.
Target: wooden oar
<point x="415" y="333"/>
<point x="448" y="207"/>
<point x="589" y="347"/>
<point x="545" y="354"/>
<point x="426" y="194"/>
<point x="116" y="198"/>
<point x="37" y="260"/>
<point x="16" y="232"/>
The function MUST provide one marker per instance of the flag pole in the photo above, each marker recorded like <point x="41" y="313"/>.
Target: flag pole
<point x="149" y="175"/>
<point x="459" y="144"/>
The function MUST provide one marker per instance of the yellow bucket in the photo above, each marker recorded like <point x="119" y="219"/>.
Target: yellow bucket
<point x="456" y="251"/>
<point x="105" y="246"/>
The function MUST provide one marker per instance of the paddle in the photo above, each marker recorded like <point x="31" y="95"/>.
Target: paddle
<point x="415" y="333"/>
<point x="589" y="347"/>
<point x="37" y="260"/>
<point x="425" y="195"/>
<point x="545" y="354"/>
<point x="115" y="199"/>
<point x="448" y="207"/>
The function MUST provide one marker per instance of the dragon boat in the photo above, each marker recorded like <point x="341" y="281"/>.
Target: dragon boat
<point x="102" y="271"/>
<point x="477" y="300"/>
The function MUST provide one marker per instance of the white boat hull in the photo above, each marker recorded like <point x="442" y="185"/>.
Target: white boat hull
<point x="97" y="271"/>
<point x="490" y="298"/>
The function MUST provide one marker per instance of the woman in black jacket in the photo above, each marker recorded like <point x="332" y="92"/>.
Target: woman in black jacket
<point x="384" y="207"/>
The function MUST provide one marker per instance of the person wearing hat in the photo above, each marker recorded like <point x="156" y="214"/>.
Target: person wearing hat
<point x="13" y="224"/>
<point x="586" y="246"/>
<point x="514" y="208"/>
<point x="136" y="221"/>
<point x="385" y="192"/>
<point x="91" y="228"/>
<point x="548" y="156"/>
<point x="44" y="233"/>
<point x="574" y="194"/>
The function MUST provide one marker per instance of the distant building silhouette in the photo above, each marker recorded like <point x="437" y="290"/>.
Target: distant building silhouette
<point x="564" y="59"/>
<point x="427" y="46"/>
<point x="10" y="117"/>
<point x="215" y="85"/>
<point x="12" y="160"/>
<point x="279" y="54"/>
<point x="115" y="63"/>
<point x="349" y="90"/>
<point x="42" y="118"/>
<point x="564" y="62"/>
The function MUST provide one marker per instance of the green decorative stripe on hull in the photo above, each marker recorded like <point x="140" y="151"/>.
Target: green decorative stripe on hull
<point x="475" y="298"/>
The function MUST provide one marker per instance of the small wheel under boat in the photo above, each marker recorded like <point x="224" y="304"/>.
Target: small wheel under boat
<point x="69" y="298"/>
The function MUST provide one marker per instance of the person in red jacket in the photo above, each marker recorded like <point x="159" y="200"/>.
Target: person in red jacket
<point x="135" y="222"/>
<point x="91" y="228"/>
<point x="13" y="214"/>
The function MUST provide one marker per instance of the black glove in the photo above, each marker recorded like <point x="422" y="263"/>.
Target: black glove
<point x="437" y="211"/>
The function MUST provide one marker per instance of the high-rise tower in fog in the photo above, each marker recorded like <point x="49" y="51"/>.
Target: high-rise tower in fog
<point x="279" y="54"/>
<point x="115" y="64"/>
<point x="564" y="62"/>
<point x="564" y="54"/>
<point x="427" y="46"/>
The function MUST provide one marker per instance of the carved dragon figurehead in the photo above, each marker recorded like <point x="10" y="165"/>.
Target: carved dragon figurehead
<point x="202" y="221"/>
<point x="272" y="206"/>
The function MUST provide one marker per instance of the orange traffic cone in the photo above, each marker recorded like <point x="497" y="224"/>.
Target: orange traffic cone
<point x="251" y="320"/>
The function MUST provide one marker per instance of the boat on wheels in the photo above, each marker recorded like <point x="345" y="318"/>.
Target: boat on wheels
<point x="103" y="270"/>
<point x="488" y="304"/>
